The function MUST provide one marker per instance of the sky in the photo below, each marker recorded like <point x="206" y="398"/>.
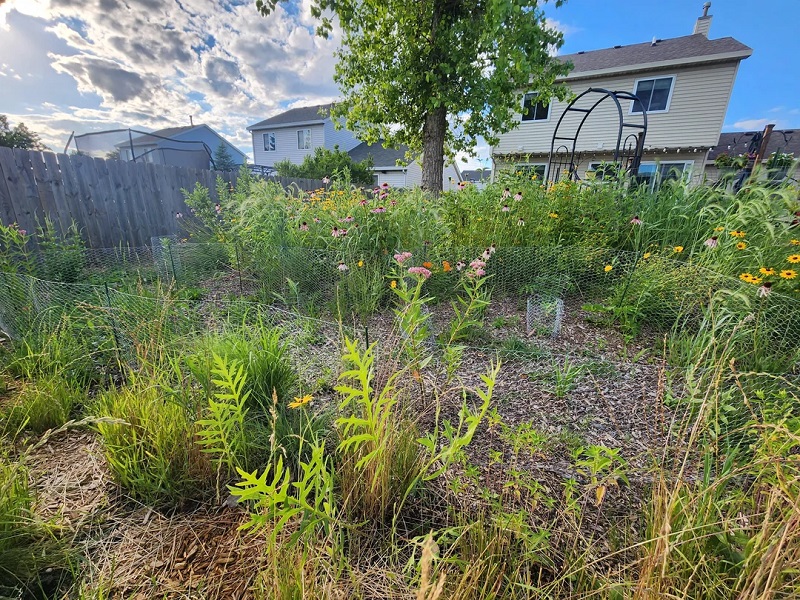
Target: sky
<point x="90" y="65"/>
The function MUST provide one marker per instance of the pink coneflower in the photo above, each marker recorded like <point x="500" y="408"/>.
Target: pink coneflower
<point x="711" y="242"/>
<point x="506" y="193"/>
<point x="505" y="208"/>
<point x="521" y="223"/>
<point x="178" y="215"/>
<point x="326" y="180"/>
<point x="460" y="265"/>
<point x="217" y="208"/>
<point x="316" y="220"/>
<point x="420" y="271"/>
<point x="492" y="249"/>
<point x="376" y="190"/>
<point x="765" y="289"/>
<point x="636" y="220"/>
<point x="402" y="257"/>
<point x="363" y="202"/>
<point x="393" y="202"/>
<point x="342" y="267"/>
<point x="303" y="226"/>
<point x="385" y="185"/>
<point x="336" y="232"/>
<point x="343" y="232"/>
<point x="380" y="209"/>
<point x="477" y="264"/>
<point x="347" y="219"/>
<point x="518" y="196"/>
<point x="383" y="195"/>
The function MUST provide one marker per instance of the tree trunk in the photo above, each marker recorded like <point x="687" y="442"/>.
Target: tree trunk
<point x="433" y="133"/>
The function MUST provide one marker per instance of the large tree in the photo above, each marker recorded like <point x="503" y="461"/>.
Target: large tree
<point x="19" y="136"/>
<point x="223" y="161"/>
<point x="436" y="74"/>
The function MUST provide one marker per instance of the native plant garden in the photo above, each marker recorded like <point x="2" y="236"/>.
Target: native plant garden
<point x="526" y="391"/>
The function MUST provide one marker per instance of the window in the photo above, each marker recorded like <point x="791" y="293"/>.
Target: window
<point x="655" y="94"/>
<point x="531" y="169"/>
<point x="654" y="174"/>
<point x="269" y="142"/>
<point x="303" y="139"/>
<point x="533" y="110"/>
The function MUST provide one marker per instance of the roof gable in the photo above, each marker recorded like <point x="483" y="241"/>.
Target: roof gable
<point x="304" y="114"/>
<point x="685" y="49"/>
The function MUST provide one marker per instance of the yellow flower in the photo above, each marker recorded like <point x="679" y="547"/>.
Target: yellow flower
<point x="300" y="401"/>
<point x="767" y="271"/>
<point x="755" y="280"/>
<point x="794" y="258"/>
<point x="746" y="277"/>
<point x="738" y="234"/>
<point x="795" y="242"/>
<point x="719" y="229"/>
<point x="741" y="246"/>
<point x="361" y="263"/>
<point x="608" y="268"/>
<point x="553" y="215"/>
<point x="678" y="249"/>
<point x="647" y="255"/>
<point x="393" y="284"/>
<point x="788" y="274"/>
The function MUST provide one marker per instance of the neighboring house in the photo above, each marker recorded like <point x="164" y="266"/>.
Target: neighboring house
<point x="478" y="177"/>
<point x="735" y="143"/>
<point x="684" y="83"/>
<point x="387" y="170"/>
<point x="295" y="134"/>
<point x="191" y="146"/>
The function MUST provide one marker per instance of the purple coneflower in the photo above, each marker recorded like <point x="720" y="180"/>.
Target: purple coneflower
<point x="380" y="209"/>
<point x="711" y="242"/>
<point x="505" y="208"/>
<point x="460" y="265"/>
<point x="342" y="267"/>
<point x="765" y="289"/>
<point x="303" y="226"/>
<point x="335" y="232"/>
<point x="518" y="196"/>
<point x="506" y="193"/>
<point x="636" y="220"/>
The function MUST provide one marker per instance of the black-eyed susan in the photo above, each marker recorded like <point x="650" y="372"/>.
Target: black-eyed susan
<point x="738" y="234"/>
<point x="301" y="401"/>
<point x="741" y="246"/>
<point x="768" y="271"/>
<point x="795" y="242"/>
<point x="719" y="228"/>
<point x="746" y="277"/>
<point x="677" y="249"/>
<point x="788" y="273"/>
<point x="393" y="284"/>
<point x="607" y="268"/>
<point x="793" y="258"/>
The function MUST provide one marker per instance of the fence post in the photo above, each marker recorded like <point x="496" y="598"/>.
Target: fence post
<point x="113" y="326"/>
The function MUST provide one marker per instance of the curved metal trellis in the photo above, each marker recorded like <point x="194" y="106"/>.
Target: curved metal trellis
<point x="563" y="161"/>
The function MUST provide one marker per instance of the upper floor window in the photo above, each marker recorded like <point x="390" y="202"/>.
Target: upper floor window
<point x="655" y="94"/>
<point x="533" y="110"/>
<point x="269" y="142"/>
<point x="304" y="139"/>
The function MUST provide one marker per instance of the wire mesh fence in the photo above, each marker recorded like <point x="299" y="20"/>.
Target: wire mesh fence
<point x="133" y="296"/>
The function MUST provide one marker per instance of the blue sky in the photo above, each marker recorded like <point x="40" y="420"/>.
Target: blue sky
<point x="89" y="65"/>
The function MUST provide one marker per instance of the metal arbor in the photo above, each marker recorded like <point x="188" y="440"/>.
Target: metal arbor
<point x="627" y="152"/>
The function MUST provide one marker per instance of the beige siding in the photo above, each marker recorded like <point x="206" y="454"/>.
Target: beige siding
<point x="699" y="102"/>
<point x="285" y="145"/>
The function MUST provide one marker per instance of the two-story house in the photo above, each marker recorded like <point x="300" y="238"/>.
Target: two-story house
<point x="683" y="83"/>
<point x="295" y="134"/>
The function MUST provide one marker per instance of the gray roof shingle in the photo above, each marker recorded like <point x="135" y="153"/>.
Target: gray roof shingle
<point x="695" y="46"/>
<point x="381" y="156"/>
<point x="301" y="114"/>
<point x="738" y="142"/>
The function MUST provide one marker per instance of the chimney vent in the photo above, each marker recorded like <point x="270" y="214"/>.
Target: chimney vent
<point x="703" y="24"/>
<point x="653" y="43"/>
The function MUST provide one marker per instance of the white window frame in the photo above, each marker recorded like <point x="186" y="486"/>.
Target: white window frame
<point x="517" y="166"/>
<point x="688" y="168"/>
<point x="522" y="110"/>
<point x="306" y="139"/>
<point x="274" y="141"/>
<point x="669" y="97"/>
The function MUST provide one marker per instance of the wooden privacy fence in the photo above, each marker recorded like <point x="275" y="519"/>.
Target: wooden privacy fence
<point x="113" y="202"/>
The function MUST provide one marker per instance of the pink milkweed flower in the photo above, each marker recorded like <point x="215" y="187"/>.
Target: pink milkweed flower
<point x="636" y="220"/>
<point x="420" y="271"/>
<point x="479" y="272"/>
<point x="402" y="257"/>
<point x="460" y="265"/>
<point x="380" y="209"/>
<point x="23" y="231"/>
<point x="477" y="264"/>
<point x="505" y="208"/>
<point x="518" y="196"/>
<point x="711" y="242"/>
<point x="342" y="267"/>
<point x="303" y="226"/>
<point x="506" y="193"/>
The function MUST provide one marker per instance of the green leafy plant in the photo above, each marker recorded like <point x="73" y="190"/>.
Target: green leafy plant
<point x="603" y="466"/>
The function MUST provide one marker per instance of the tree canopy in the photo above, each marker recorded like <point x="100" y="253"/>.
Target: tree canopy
<point x="19" y="136"/>
<point x="223" y="161"/>
<point x="326" y="163"/>
<point x="436" y="74"/>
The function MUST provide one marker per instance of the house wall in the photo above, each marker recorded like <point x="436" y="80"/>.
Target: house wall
<point x="395" y="178"/>
<point x="696" y="111"/>
<point x="285" y="144"/>
<point x="450" y="177"/>
<point x="343" y="138"/>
